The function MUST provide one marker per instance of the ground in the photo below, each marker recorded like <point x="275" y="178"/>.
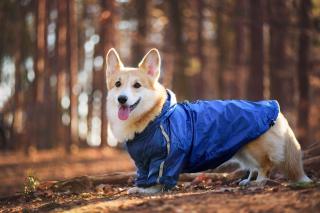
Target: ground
<point x="56" y="165"/>
<point x="200" y="195"/>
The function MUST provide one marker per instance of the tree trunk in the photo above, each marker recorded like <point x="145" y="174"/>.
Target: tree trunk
<point x="44" y="102"/>
<point x="51" y="103"/>
<point x="17" y="108"/>
<point x="255" y="81"/>
<point x="17" y="96"/>
<point x="303" y="71"/>
<point x="199" y="77"/>
<point x="40" y="50"/>
<point x="239" y="49"/>
<point x="61" y="49"/>
<point x="315" y="101"/>
<point x="107" y="35"/>
<point x="139" y="41"/>
<point x="281" y="76"/>
<point x="37" y="116"/>
<point x="72" y="39"/>
<point x="221" y="45"/>
<point x="47" y="105"/>
<point x="179" y="48"/>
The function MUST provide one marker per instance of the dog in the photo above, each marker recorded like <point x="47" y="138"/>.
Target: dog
<point x="166" y="138"/>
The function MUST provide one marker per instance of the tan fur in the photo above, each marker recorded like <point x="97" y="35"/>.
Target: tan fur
<point x="127" y="72"/>
<point x="152" y="94"/>
<point x="260" y="155"/>
<point x="278" y="147"/>
<point x="293" y="164"/>
<point x="141" y="123"/>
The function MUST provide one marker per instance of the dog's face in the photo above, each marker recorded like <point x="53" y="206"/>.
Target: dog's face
<point x="131" y="91"/>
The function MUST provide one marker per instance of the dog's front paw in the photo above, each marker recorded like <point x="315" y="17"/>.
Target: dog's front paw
<point x="152" y="190"/>
<point x="149" y="190"/>
<point x="133" y="190"/>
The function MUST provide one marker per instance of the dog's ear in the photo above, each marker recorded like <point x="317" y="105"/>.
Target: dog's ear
<point x="151" y="63"/>
<point x="113" y="62"/>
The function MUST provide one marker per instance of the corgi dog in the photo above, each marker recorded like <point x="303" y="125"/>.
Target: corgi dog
<point x="166" y="138"/>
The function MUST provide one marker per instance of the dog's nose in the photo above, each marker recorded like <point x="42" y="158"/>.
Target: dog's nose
<point x="122" y="99"/>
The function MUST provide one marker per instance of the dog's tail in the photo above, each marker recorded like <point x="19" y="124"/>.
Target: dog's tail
<point x="293" y="159"/>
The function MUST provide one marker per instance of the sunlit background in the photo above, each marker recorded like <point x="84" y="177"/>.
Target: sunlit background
<point x="52" y="61"/>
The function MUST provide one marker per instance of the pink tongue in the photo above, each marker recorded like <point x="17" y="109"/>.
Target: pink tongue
<point x="123" y="113"/>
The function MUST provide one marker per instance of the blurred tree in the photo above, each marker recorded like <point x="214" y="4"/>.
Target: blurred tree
<point x="255" y="79"/>
<point x="50" y="77"/>
<point x="303" y="71"/>
<point x="281" y="76"/>
<point x="37" y="111"/>
<point x="239" y="48"/>
<point x="17" y="96"/>
<point x="107" y="40"/>
<point x="89" y="19"/>
<point x="175" y="13"/>
<point x="47" y="135"/>
<point x="32" y="56"/>
<point x="23" y="48"/>
<point x="139" y="40"/>
<point x="61" y="52"/>
<point x="40" y="51"/>
<point x="72" y="56"/>
<point x="221" y="45"/>
<point x="315" y="74"/>
<point x="199" y="77"/>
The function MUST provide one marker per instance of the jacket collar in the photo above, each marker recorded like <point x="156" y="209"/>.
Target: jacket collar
<point x="166" y="111"/>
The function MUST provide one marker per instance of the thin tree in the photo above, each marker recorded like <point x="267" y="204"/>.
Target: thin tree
<point x="175" y="8"/>
<point x="199" y="77"/>
<point x="255" y="81"/>
<point x="47" y="105"/>
<point x="303" y="70"/>
<point x="221" y="46"/>
<point x="61" y="52"/>
<point x="72" y="53"/>
<point x="281" y="76"/>
<point x="239" y="48"/>
<point x="17" y="96"/>
<point x="37" y="122"/>
<point x="50" y="91"/>
<point x="40" y="50"/>
<point x="107" y="40"/>
<point x="23" y="48"/>
<point x="139" y="41"/>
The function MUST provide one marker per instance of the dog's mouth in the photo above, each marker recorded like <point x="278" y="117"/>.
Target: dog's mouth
<point x="125" y="110"/>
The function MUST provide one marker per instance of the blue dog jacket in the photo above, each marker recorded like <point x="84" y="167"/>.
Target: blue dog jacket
<point x="193" y="137"/>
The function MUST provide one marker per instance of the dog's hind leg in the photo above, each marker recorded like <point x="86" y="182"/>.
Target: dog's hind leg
<point x="261" y="178"/>
<point x="247" y="162"/>
<point x="292" y="165"/>
<point x="256" y="160"/>
<point x="279" y="148"/>
<point x="246" y="181"/>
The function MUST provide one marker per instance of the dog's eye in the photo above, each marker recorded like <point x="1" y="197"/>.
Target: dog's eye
<point x="137" y="85"/>
<point x="118" y="84"/>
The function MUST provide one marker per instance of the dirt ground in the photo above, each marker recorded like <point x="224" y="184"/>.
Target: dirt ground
<point x="56" y="165"/>
<point x="201" y="195"/>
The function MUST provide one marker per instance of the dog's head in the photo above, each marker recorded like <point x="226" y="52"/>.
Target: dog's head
<point x="132" y="91"/>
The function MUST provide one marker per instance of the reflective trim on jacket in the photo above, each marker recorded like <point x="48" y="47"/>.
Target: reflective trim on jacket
<point x="193" y="137"/>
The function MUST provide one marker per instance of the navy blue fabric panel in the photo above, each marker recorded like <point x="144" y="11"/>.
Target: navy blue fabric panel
<point x="203" y="135"/>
